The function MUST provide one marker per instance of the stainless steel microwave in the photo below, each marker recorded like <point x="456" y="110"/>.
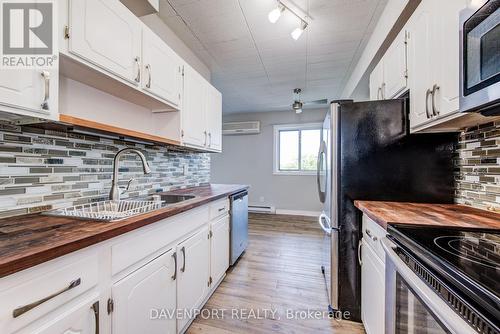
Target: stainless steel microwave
<point x="480" y="57"/>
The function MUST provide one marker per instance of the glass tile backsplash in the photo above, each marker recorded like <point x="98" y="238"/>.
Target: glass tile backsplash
<point x="45" y="169"/>
<point x="478" y="167"/>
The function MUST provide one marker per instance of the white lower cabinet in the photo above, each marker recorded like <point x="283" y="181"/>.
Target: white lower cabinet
<point x="372" y="277"/>
<point x="193" y="274"/>
<point x="151" y="280"/>
<point x="81" y="319"/>
<point x="145" y="301"/>
<point x="372" y="291"/>
<point x="219" y="248"/>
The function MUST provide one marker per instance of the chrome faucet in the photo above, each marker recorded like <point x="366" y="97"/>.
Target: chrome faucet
<point x="114" y="194"/>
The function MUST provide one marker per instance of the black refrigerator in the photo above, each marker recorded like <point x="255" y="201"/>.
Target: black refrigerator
<point x="367" y="153"/>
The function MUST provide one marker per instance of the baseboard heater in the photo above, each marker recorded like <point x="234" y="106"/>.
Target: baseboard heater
<point x="262" y="209"/>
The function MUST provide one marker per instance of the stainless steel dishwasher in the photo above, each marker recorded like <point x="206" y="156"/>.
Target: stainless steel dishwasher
<point x="239" y="224"/>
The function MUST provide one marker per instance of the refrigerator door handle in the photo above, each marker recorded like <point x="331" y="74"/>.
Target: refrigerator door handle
<point x="324" y="222"/>
<point x="321" y="156"/>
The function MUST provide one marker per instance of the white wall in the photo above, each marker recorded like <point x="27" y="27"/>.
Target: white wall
<point x="155" y="23"/>
<point x="248" y="160"/>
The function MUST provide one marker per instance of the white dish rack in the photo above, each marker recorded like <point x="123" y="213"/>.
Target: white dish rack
<point x="107" y="210"/>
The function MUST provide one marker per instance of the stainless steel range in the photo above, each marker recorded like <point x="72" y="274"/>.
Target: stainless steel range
<point x="442" y="280"/>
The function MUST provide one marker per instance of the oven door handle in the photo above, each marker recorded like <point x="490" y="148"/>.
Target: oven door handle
<point x="439" y="308"/>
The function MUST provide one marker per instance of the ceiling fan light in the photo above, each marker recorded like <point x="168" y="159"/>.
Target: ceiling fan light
<point x="297" y="32"/>
<point x="275" y="14"/>
<point x="298" y="111"/>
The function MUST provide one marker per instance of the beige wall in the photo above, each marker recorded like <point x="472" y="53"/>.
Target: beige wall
<point x="248" y="159"/>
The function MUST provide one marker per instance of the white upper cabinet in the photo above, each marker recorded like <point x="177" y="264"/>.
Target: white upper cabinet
<point x="219" y="249"/>
<point x="137" y="296"/>
<point x="201" y="113"/>
<point x="433" y="54"/>
<point x="395" y="67"/>
<point x="193" y="273"/>
<point x="419" y="59"/>
<point x="162" y="69"/>
<point x="106" y="34"/>
<point x="30" y="92"/>
<point x="376" y="82"/>
<point x="193" y="112"/>
<point x="389" y="78"/>
<point x="214" y="119"/>
<point x="446" y="67"/>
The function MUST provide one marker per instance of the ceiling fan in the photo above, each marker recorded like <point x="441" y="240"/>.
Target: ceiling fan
<point x="298" y="103"/>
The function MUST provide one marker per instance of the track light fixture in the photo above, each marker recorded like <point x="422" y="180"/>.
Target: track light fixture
<point x="275" y="14"/>
<point x="297" y="32"/>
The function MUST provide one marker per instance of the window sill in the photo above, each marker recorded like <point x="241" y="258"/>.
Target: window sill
<point x="291" y="173"/>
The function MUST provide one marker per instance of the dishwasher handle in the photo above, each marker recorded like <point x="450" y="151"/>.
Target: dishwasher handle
<point x="239" y="195"/>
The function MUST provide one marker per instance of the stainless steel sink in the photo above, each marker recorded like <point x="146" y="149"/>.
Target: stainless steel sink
<point x="172" y="199"/>
<point x="117" y="210"/>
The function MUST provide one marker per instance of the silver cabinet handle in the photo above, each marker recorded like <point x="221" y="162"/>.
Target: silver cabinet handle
<point x="138" y="77"/>
<point x="183" y="251"/>
<point x="209" y="139"/>
<point x="46" y="80"/>
<point x="205" y="133"/>
<point x="435" y="88"/>
<point x="382" y="91"/>
<point x="378" y="93"/>
<point x="360" y="260"/>
<point x="222" y="209"/>
<point x="23" y="309"/>
<point x="369" y="233"/>
<point x="174" y="276"/>
<point x="427" y="93"/>
<point x="148" y="68"/>
<point x="95" y="308"/>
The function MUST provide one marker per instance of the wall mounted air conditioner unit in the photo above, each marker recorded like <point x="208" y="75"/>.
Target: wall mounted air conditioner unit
<point x="241" y="128"/>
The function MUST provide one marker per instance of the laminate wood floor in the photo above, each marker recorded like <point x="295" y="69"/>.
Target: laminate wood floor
<point x="279" y="272"/>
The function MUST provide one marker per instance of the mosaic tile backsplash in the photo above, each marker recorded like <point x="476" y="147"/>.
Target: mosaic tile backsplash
<point x="45" y="169"/>
<point x="478" y="167"/>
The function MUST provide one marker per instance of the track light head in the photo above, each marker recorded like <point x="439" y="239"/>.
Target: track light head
<point x="275" y="14"/>
<point x="298" y="31"/>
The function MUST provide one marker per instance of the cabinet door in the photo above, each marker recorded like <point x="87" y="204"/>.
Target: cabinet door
<point x="214" y="118"/>
<point x="193" y="109"/>
<point x="108" y="35"/>
<point x="24" y="92"/>
<point x="376" y="80"/>
<point x="372" y="291"/>
<point x="162" y="69"/>
<point x="445" y="56"/>
<point x="143" y="300"/>
<point x="219" y="248"/>
<point x="193" y="270"/>
<point x="81" y="319"/>
<point x="419" y="61"/>
<point x="395" y="71"/>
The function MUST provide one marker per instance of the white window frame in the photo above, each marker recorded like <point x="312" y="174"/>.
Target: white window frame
<point x="276" y="151"/>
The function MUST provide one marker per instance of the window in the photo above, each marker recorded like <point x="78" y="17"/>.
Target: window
<point x="296" y="148"/>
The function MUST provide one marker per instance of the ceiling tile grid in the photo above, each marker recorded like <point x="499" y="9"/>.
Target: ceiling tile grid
<point x="256" y="64"/>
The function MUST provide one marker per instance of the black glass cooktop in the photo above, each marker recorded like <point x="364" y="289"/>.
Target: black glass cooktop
<point x="469" y="258"/>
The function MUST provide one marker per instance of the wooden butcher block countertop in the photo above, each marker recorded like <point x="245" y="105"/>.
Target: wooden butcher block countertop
<point x="28" y="240"/>
<point x="446" y="215"/>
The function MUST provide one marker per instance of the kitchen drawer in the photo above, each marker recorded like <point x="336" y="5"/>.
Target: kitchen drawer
<point x="58" y="282"/>
<point x="135" y="248"/>
<point x="219" y="208"/>
<point x="372" y="234"/>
